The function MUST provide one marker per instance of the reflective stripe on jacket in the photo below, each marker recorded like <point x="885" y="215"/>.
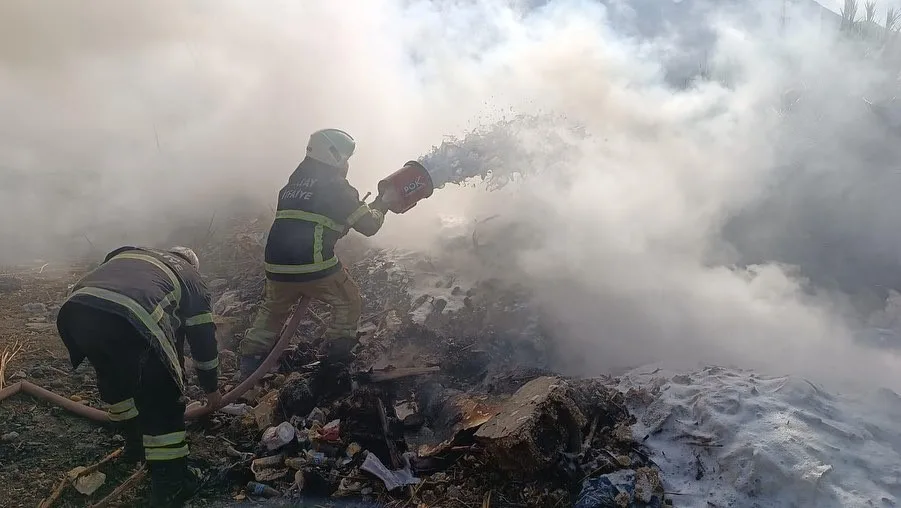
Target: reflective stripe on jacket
<point x="164" y="298"/>
<point x="315" y="209"/>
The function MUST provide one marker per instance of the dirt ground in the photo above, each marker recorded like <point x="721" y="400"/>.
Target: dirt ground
<point x="51" y="441"/>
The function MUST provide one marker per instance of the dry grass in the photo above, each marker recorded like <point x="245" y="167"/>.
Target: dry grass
<point x="9" y="353"/>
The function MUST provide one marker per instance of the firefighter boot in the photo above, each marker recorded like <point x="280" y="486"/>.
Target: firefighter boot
<point x="338" y="350"/>
<point x="171" y="483"/>
<point x="249" y="364"/>
<point x="134" y="443"/>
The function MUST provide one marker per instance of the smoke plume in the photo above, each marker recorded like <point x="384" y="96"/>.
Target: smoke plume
<point x="700" y="184"/>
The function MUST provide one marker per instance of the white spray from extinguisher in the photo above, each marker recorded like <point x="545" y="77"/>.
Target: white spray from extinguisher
<point x="501" y="151"/>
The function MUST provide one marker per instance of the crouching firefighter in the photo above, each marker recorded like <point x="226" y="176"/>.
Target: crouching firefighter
<point x="316" y="208"/>
<point x="130" y="318"/>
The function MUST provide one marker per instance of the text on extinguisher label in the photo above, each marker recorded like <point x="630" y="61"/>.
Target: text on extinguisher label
<point x="413" y="186"/>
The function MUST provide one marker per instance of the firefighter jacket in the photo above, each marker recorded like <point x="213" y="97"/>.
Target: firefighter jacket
<point x="165" y="299"/>
<point x="316" y="208"/>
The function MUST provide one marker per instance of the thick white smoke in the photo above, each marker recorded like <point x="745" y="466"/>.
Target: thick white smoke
<point x="121" y="123"/>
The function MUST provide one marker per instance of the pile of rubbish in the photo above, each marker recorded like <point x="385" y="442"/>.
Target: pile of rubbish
<point x="449" y="401"/>
<point x="551" y="441"/>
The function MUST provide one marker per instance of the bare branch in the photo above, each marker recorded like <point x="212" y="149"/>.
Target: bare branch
<point x="849" y="15"/>
<point x="870" y="11"/>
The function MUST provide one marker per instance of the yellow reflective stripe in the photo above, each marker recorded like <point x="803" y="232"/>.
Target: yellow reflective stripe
<point x="165" y="447"/>
<point x="166" y="453"/>
<point x="199" y="319"/>
<point x="121" y="417"/>
<point x="310" y="268"/>
<point x="210" y="365"/>
<point x="176" y="283"/>
<point x="317" y="244"/>
<point x="121" y="411"/>
<point x="121" y="407"/>
<point x="172" y="438"/>
<point x="309" y="217"/>
<point x="358" y="214"/>
<point x="160" y="309"/>
<point x="143" y="316"/>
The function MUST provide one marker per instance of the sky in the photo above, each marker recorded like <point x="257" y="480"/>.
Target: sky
<point x="655" y="237"/>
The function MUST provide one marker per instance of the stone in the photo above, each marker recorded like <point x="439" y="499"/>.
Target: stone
<point x="9" y="437"/>
<point x="35" y="308"/>
<point x="216" y="285"/>
<point x="89" y="483"/>
<point x="227" y="303"/>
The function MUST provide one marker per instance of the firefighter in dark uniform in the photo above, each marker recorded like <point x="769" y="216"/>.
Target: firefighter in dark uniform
<point x="130" y="318"/>
<point x="316" y="208"/>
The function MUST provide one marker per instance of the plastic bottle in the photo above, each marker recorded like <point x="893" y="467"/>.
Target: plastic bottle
<point x="259" y="489"/>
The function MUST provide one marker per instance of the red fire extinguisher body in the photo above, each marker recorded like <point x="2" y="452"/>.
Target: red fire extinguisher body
<point x="406" y="186"/>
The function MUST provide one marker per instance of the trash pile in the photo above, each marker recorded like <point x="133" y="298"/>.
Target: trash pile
<point x="386" y="436"/>
<point x="448" y="402"/>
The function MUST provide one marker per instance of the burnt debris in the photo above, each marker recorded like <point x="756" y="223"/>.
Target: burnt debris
<point x="449" y="402"/>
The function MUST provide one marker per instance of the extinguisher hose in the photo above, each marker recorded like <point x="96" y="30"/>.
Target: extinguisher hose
<point x="284" y="339"/>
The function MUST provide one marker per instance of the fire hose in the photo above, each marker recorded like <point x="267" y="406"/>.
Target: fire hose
<point x="101" y="416"/>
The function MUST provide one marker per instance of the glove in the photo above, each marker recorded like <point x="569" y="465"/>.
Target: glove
<point x="379" y="204"/>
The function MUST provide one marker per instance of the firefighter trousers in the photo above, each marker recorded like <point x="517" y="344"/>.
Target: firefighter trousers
<point x="337" y="290"/>
<point x="131" y="377"/>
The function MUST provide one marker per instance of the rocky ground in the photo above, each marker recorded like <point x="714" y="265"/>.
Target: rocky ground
<point x="450" y="402"/>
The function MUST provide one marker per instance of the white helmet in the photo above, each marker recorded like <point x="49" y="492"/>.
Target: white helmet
<point x="331" y="146"/>
<point x="187" y="254"/>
